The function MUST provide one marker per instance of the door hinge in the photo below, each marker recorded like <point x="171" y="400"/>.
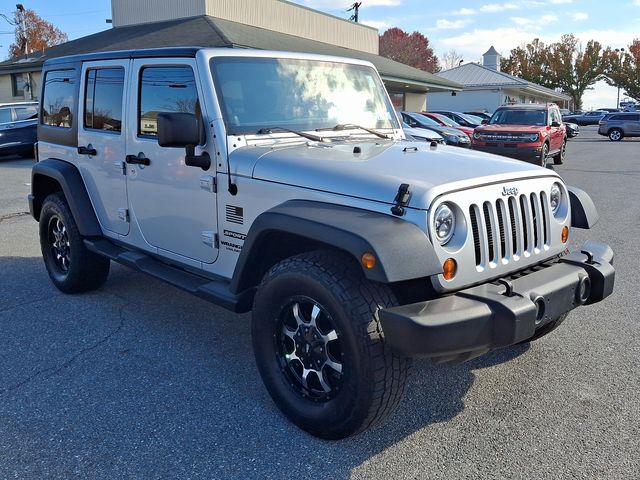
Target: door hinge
<point x="121" y="166"/>
<point x="208" y="183"/>
<point x="123" y="214"/>
<point x="211" y="239"/>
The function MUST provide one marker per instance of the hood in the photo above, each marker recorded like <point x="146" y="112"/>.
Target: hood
<point x="378" y="170"/>
<point x="509" y="128"/>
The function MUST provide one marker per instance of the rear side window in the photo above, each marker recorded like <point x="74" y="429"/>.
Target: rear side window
<point x="165" y="89"/>
<point x="626" y="118"/>
<point x="58" y="102"/>
<point x="103" y="99"/>
<point x="5" y="115"/>
<point x="26" y="113"/>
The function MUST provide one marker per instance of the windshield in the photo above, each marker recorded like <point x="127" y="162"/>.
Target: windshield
<point x="519" y="117"/>
<point x="256" y="93"/>
<point x="446" y="120"/>
<point x="471" y="118"/>
<point x="424" y="120"/>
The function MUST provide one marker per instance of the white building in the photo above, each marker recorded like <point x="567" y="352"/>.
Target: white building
<point x="486" y="88"/>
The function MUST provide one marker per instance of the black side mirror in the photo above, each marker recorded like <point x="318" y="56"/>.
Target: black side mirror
<point x="484" y="121"/>
<point x="183" y="130"/>
<point x="555" y="123"/>
<point x="178" y="129"/>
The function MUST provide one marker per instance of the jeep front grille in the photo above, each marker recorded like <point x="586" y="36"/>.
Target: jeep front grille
<point x="505" y="230"/>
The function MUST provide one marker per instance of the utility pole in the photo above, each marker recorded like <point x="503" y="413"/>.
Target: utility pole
<point x="620" y="52"/>
<point x="355" y="7"/>
<point x="23" y="23"/>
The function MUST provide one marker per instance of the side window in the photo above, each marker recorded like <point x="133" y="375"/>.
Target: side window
<point x="165" y="89"/>
<point x="5" y="115"/>
<point x="26" y="113"/>
<point x="555" y="116"/>
<point x="103" y="99"/>
<point x="58" y="100"/>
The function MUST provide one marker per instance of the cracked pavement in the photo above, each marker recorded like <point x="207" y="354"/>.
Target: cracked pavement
<point x="141" y="380"/>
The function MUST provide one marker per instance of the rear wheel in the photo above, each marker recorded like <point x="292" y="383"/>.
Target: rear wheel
<point x="615" y="135"/>
<point x="319" y="346"/>
<point x="558" y="159"/>
<point x="71" y="266"/>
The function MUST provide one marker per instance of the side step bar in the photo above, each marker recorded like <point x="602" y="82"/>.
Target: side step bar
<point x="215" y="291"/>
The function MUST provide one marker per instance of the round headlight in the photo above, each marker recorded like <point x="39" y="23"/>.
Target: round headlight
<point x="555" y="198"/>
<point x="444" y="223"/>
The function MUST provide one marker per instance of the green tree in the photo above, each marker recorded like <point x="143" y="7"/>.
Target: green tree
<point x="623" y="70"/>
<point x="565" y="64"/>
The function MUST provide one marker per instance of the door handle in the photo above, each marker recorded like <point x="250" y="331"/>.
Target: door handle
<point x="88" y="150"/>
<point x="139" y="159"/>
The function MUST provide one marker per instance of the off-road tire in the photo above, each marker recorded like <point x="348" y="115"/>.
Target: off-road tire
<point x="615" y="135"/>
<point x="83" y="270"/>
<point x="373" y="377"/>
<point x="558" y="159"/>
<point x="546" y="329"/>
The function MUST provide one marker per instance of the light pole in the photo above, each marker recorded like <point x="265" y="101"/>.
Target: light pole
<point x="620" y="52"/>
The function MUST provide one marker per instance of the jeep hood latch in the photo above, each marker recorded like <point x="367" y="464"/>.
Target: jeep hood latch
<point x="402" y="200"/>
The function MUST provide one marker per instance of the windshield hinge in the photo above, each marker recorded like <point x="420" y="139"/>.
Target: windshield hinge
<point x="208" y="183"/>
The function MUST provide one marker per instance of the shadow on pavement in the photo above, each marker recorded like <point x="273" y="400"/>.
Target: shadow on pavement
<point x="159" y="383"/>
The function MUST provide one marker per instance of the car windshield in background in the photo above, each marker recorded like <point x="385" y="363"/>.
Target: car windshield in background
<point x="425" y="120"/>
<point x="449" y="122"/>
<point x="519" y="117"/>
<point x="471" y="118"/>
<point x="299" y="94"/>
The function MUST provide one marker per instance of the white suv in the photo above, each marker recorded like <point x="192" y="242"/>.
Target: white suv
<point x="282" y="183"/>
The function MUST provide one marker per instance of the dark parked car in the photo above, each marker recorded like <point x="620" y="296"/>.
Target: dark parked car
<point x="461" y="118"/>
<point x="18" y="125"/>
<point x="616" y="126"/>
<point x="573" y="130"/>
<point x="452" y="136"/>
<point x="586" y="118"/>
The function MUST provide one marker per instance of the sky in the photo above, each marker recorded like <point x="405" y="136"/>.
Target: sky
<point x="469" y="27"/>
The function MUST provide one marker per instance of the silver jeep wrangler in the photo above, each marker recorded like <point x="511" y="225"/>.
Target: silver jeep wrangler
<point x="282" y="184"/>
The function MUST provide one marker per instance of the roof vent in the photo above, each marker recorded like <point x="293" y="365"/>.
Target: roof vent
<point x="491" y="59"/>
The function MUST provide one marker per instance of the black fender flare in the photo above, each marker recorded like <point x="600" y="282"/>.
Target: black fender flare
<point x="583" y="211"/>
<point x="73" y="188"/>
<point x="402" y="250"/>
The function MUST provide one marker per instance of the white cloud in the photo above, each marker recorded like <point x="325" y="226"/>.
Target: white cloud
<point x="580" y="16"/>
<point x="380" y="25"/>
<point x="536" y="23"/>
<point x="464" y="11"/>
<point x="497" y="7"/>
<point x="340" y="4"/>
<point x="558" y="2"/>
<point x="443" y="24"/>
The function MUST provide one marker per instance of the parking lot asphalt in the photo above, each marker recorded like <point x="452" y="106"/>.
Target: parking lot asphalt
<point x="141" y="380"/>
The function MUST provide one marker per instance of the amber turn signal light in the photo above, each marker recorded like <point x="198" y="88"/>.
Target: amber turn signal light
<point x="368" y="260"/>
<point x="565" y="234"/>
<point x="450" y="267"/>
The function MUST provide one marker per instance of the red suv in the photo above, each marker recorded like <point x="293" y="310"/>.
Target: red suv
<point x="530" y="132"/>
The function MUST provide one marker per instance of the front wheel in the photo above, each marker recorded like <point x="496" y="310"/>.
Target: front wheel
<point x="615" y="135"/>
<point x="544" y="153"/>
<point x="71" y="266"/>
<point x="319" y="346"/>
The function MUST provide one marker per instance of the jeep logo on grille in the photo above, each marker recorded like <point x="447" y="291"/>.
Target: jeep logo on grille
<point x="506" y="191"/>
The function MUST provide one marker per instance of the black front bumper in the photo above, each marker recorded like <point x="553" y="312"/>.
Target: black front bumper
<point x="511" y="150"/>
<point x="497" y="314"/>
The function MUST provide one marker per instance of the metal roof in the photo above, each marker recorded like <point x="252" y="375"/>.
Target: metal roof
<point x="206" y="31"/>
<point x="476" y="76"/>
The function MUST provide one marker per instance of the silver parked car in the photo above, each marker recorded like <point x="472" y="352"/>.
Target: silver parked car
<point x="616" y="126"/>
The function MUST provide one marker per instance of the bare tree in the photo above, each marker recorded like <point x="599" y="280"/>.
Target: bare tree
<point x="450" y="59"/>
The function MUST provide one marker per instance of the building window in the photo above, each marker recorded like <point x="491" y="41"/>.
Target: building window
<point x="397" y="100"/>
<point x="165" y="89"/>
<point x="58" y="99"/>
<point x="17" y="84"/>
<point x="103" y="99"/>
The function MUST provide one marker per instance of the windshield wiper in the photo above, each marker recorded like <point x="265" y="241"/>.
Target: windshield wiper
<point x="350" y="126"/>
<point x="268" y="130"/>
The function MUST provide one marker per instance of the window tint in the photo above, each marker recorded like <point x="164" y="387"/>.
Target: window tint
<point x="5" y="115"/>
<point x="165" y="89"/>
<point x="103" y="99"/>
<point x="58" y="99"/>
<point x="26" y="113"/>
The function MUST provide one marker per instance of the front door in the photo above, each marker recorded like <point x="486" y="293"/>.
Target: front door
<point x="101" y="141"/>
<point x="174" y="205"/>
<point x="557" y="133"/>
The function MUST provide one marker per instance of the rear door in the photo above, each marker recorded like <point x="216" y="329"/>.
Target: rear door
<point x="174" y="205"/>
<point x="557" y="133"/>
<point x="101" y="142"/>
